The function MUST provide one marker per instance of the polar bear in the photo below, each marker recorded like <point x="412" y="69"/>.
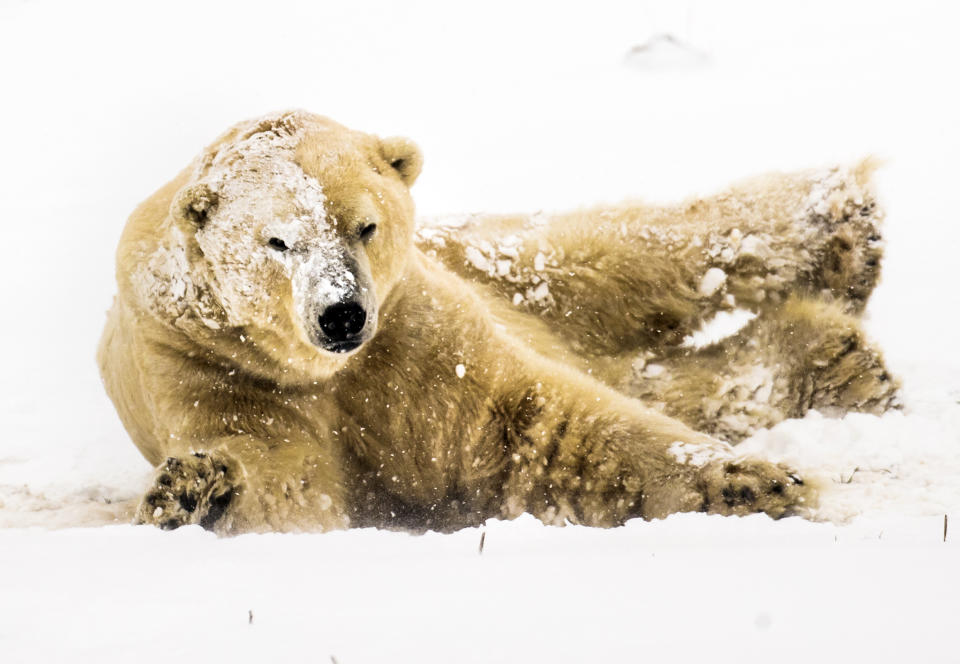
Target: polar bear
<point x="291" y="354"/>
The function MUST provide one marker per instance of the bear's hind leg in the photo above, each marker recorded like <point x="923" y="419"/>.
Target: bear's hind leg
<point x="805" y="354"/>
<point x="617" y="279"/>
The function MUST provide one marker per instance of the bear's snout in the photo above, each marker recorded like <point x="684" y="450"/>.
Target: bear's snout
<point x="342" y="324"/>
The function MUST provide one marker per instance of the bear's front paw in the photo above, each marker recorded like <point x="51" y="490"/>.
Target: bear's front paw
<point x="744" y="486"/>
<point x="187" y="490"/>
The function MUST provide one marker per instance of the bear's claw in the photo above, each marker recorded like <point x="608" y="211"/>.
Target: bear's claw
<point x="745" y="486"/>
<point x="187" y="490"/>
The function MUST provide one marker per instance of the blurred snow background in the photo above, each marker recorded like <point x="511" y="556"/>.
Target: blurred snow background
<point x="517" y="106"/>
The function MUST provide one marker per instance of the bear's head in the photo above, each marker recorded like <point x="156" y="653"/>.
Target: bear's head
<point x="298" y="229"/>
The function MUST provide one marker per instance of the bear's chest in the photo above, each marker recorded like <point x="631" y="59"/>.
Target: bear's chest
<point x="419" y="439"/>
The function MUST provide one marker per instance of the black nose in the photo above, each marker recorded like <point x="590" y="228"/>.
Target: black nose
<point x="342" y="321"/>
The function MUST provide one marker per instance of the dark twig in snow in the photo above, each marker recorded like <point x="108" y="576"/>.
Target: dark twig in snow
<point x="849" y="479"/>
<point x="944" y="527"/>
<point x="250" y="616"/>
<point x="483" y="537"/>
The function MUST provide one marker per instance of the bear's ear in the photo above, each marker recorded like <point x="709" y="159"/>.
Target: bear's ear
<point x="404" y="157"/>
<point x="194" y="204"/>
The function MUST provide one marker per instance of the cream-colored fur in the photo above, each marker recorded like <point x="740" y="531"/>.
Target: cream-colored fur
<point x="471" y="394"/>
<point x="617" y="290"/>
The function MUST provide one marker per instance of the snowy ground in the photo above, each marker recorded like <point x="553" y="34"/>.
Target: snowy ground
<point x="517" y="106"/>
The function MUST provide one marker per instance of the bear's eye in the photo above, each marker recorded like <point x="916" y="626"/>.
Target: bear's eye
<point x="278" y="244"/>
<point x="367" y="232"/>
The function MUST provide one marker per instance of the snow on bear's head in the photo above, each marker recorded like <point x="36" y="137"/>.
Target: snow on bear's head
<point x="299" y="228"/>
